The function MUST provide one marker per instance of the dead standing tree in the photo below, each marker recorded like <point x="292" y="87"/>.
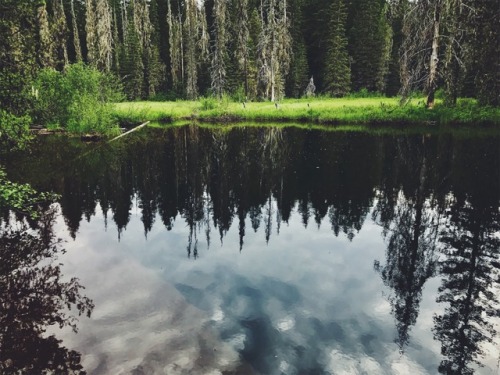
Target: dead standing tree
<point x="274" y="49"/>
<point x="433" y="31"/>
<point x="420" y="49"/>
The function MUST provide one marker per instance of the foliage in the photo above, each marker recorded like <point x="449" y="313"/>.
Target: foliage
<point x="162" y="46"/>
<point x="338" y="70"/>
<point x="78" y="99"/>
<point x="21" y="198"/>
<point x="35" y="295"/>
<point x="369" y="41"/>
<point x="14" y="130"/>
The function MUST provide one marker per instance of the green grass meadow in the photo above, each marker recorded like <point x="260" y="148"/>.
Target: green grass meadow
<point x="375" y="110"/>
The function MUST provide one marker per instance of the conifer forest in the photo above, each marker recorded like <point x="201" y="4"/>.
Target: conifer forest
<point x="257" y="49"/>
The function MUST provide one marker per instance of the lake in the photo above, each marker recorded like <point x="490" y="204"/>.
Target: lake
<point x="258" y="250"/>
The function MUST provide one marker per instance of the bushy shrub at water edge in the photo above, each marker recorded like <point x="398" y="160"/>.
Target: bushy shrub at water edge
<point x="77" y="99"/>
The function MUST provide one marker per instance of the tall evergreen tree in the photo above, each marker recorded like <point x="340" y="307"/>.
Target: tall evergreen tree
<point x="19" y="49"/>
<point x="219" y="51"/>
<point x="176" y="47"/>
<point x="397" y="10"/>
<point x="337" y="68"/>
<point x="76" y="33"/>
<point x="59" y="32"/>
<point x="298" y="76"/>
<point x="190" y="29"/>
<point x="369" y="44"/>
<point x="104" y="35"/>
<point x="485" y="35"/>
<point x="90" y="31"/>
<point x="46" y="47"/>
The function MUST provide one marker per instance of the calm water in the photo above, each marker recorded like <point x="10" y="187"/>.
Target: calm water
<point x="257" y="251"/>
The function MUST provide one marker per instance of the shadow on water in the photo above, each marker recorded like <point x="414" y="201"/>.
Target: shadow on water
<point x="33" y="297"/>
<point x="435" y="199"/>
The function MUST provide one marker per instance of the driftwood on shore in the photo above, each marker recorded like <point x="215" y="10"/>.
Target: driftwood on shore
<point x="130" y="131"/>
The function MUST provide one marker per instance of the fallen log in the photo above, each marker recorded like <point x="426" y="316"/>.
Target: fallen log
<point x="130" y="131"/>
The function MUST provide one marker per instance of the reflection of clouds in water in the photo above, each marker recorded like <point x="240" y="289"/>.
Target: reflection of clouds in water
<point x="342" y="364"/>
<point x="298" y="319"/>
<point x="141" y="324"/>
<point x="282" y="305"/>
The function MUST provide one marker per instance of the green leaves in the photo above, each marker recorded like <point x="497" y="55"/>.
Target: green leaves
<point x="78" y="99"/>
<point x="21" y="197"/>
<point x="14" y="131"/>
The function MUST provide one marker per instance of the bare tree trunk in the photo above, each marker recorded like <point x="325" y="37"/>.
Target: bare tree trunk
<point x="434" y="60"/>
<point x="272" y="29"/>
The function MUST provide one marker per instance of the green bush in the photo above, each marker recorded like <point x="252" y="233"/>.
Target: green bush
<point x="14" y="131"/>
<point x="77" y="99"/>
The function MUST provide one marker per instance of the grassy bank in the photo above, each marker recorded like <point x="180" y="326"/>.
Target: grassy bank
<point x="317" y="111"/>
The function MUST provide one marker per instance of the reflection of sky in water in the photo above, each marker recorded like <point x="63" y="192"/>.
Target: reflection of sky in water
<point x="306" y="303"/>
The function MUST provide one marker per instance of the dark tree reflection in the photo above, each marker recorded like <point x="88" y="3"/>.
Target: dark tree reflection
<point x="410" y="226"/>
<point x="34" y="297"/>
<point x="470" y="272"/>
<point x="471" y="257"/>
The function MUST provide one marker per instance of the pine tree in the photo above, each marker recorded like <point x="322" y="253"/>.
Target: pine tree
<point x="175" y="48"/>
<point x="104" y="36"/>
<point x="76" y="35"/>
<point x="485" y="35"/>
<point x="369" y="44"/>
<point x="298" y="76"/>
<point x="90" y="30"/>
<point x="191" y="38"/>
<point x="397" y="10"/>
<point x="219" y="50"/>
<point x="242" y="50"/>
<point x="337" y="70"/>
<point x="19" y="53"/>
<point x="59" y="32"/>
<point x="45" y="46"/>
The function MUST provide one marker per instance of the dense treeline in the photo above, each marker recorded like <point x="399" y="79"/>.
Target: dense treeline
<point x="254" y="49"/>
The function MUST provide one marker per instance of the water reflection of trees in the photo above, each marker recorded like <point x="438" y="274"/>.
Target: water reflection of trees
<point x="443" y="226"/>
<point x="435" y="198"/>
<point x="257" y="176"/>
<point x="470" y="272"/>
<point x="34" y="297"/>
<point x="470" y="266"/>
<point x="410" y="225"/>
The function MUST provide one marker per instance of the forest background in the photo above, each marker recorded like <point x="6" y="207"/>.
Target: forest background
<point x="243" y="49"/>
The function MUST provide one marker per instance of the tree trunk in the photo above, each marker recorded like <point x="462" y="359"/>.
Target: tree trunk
<point x="433" y="63"/>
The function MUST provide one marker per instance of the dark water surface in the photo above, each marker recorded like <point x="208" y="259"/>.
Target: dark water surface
<point x="260" y="251"/>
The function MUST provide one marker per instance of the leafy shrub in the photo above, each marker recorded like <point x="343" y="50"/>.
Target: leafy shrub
<point x="21" y="198"/>
<point x="78" y="99"/>
<point x="14" y="130"/>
